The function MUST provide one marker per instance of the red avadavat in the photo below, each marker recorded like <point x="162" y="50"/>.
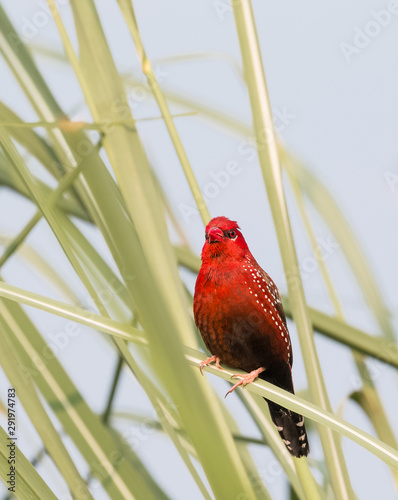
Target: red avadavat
<point x="239" y="313"/>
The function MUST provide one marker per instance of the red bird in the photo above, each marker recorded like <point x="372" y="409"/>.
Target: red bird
<point x="239" y="313"/>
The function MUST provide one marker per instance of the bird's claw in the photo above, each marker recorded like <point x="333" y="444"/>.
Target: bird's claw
<point x="209" y="360"/>
<point x="241" y="382"/>
<point x="246" y="379"/>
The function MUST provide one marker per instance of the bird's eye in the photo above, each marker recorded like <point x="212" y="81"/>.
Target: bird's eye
<point x="232" y="234"/>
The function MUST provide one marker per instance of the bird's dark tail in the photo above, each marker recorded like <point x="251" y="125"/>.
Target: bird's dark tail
<point x="291" y="429"/>
<point x="290" y="425"/>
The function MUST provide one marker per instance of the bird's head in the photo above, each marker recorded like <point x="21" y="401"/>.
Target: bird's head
<point x="223" y="239"/>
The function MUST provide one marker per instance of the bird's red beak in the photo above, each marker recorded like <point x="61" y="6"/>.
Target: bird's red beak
<point x="215" y="234"/>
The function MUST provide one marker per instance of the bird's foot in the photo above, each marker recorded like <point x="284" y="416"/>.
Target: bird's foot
<point x="246" y="379"/>
<point x="207" y="361"/>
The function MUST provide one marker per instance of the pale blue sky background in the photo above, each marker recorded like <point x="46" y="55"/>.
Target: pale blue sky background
<point x="340" y="119"/>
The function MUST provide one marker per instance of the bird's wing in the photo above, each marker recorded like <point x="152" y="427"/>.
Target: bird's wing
<point x="277" y="304"/>
<point x="275" y="293"/>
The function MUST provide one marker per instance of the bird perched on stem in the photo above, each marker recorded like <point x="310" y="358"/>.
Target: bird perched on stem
<point x="239" y="313"/>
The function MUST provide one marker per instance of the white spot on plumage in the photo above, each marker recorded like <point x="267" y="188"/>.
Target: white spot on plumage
<point x="280" y="429"/>
<point x="304" y="445"/>
<point x="286" y="441"/>
<point x="302" y="437"/>
<point x="300" y="424"/>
